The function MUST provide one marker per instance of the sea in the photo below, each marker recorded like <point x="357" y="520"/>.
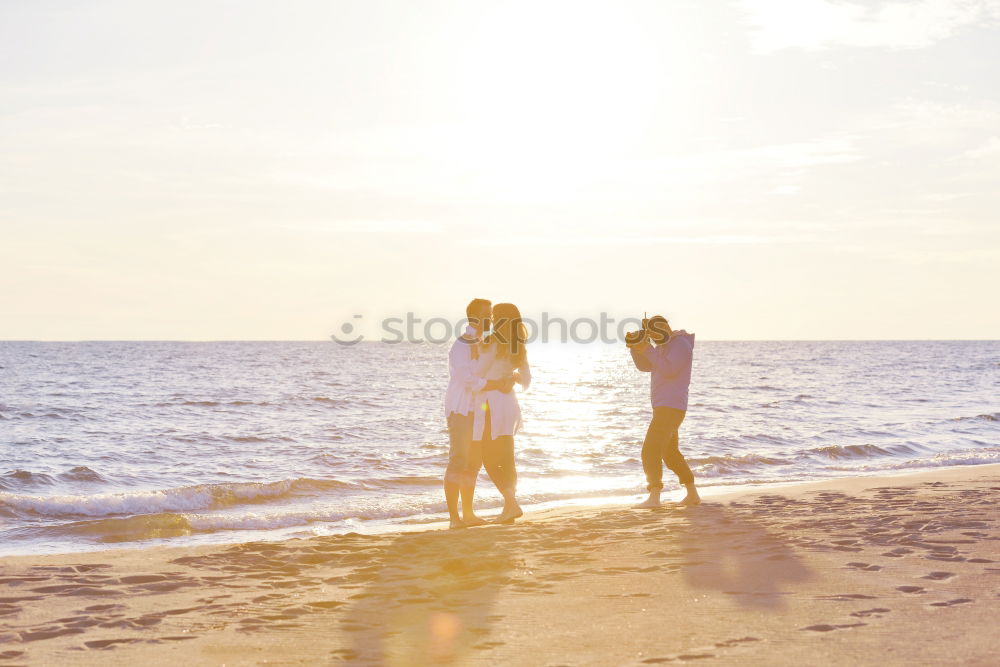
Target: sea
<point x="129" y="444"/>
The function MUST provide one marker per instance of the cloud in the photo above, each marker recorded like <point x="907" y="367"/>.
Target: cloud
<point x="367" y="226"/>
<point x="784" y="164"/>
<point x="820" y="24"/>
<point x="989" y="149"/>
<point x="578" y="240"/>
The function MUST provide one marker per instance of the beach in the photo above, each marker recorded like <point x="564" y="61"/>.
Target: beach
<point x="900" y="569"/>
<point x="553" y="334"/>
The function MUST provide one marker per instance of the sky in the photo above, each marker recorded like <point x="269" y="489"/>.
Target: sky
<point x="209" y="170"/>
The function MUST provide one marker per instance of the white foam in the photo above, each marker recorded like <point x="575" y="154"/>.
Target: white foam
<point x="258" y="520"/>
<point x="183" y="499"/>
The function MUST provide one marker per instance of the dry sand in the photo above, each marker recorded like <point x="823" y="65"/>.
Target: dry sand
<point x="874" y="570"/>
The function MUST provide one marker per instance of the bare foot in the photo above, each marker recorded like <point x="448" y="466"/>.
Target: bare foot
<point x="474" y="521"/>
<point x="648" y="504"/>
<point x="690" y="500"/>
<point x="508" y="515"/>
<point x="455" y="524"/>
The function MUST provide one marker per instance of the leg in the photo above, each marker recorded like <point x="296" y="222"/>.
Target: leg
<point x="652" y="457"/>
<point x="468" y="488"/>
<point x="459" y="441"/>
<point x="498" y="457"/>
<point x="507" y="470"/>
<point x="491" y="460"/>
<point x="674" y="460"/>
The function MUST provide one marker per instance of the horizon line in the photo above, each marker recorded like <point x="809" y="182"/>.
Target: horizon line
<point x="596" y="342"/>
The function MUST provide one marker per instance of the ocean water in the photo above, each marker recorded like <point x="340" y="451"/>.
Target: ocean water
<point x="106" y="444"/>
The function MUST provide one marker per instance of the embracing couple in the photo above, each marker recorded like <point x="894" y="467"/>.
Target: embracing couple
<point x="482" y="409"/>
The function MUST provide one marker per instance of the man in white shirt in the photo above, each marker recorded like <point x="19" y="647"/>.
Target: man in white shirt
<point x="464" y="384"/>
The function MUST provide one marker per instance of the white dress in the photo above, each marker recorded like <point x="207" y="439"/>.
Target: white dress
<point x="504" y="410"/>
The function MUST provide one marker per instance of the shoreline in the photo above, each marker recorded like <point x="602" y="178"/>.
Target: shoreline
<point x="890" y="569"/>
<point x="408" y="525"/>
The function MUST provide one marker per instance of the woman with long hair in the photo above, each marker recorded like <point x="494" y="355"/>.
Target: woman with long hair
<point x="498" y="414"/>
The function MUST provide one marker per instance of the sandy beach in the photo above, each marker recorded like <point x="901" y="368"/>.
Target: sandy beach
<point x="889" y="570"/>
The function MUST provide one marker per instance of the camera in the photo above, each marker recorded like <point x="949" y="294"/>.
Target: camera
<point x="654" y="328"/>
<point x="633" y="338"/>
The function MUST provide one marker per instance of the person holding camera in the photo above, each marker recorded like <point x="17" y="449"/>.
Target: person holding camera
<point x="665" y="354"/>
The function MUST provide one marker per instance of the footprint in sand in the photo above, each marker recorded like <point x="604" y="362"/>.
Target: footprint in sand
<point x="938" y="576"/>
<point x="899" y="552"/>
<point x="104" y="607"/>
<point x="48" y="633"/>
<point x="736" y="642"/>
<point x="101" y="644"/>
<point x="876" y="612"/>
<point x="846" y="597"/>
<point x="17" y="581"/>
<point x="946" y="558"/>
<point x="910" y="589"/>
<point x="865" y="567"/>
<point x="90" y="568"/>
<point x="142" y="579"/>
<point x="950" y="603"/>
<point x="823" y="627"/>
<point x="683" y="657"/>
<point x="344" y="654"/>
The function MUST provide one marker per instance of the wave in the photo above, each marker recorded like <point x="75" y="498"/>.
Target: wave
<point x="410" y="480"/>
<point x="170" y="524"/>
<point x="130" y="529"/>
<point x="81" y="474"/>
<point x="211" y="404"/>
<point x="254" y="438"/>
<point x="721" y="465"/>
<point x="48" y="413"/>
<point x="960" y="458"/>
<point x="25" y="479"/>
<point x="21" y="479"/>
<point x="334" y="402"/>
<point x="325" y="400"/>
<point x="987" y="418"/>
<point x="182" y="499"/>
<point x="860" y="451"/>
<point x="341" y="517"/>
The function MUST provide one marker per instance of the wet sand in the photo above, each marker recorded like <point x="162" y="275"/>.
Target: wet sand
<point x="874" y="570"/>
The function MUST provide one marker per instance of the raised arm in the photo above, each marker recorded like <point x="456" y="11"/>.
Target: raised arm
<point x="640" y="356"/>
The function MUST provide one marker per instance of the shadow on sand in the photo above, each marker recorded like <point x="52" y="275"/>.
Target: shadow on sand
<point x="735" y="556"/>
<point x="428" y="599"/>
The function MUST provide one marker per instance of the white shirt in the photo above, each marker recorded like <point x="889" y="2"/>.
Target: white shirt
<point x="464" y="381"/>
<point x="505" y="411"/>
